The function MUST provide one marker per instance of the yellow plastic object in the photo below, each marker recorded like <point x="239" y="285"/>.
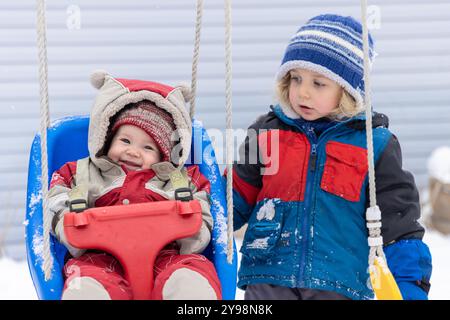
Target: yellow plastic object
<point x="383" y="282"/>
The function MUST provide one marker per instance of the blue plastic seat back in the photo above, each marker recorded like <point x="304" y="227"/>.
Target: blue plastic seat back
<point x="67" y="141"/>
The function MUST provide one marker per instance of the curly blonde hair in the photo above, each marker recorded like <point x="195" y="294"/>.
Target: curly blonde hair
<point x="347" y="107"/>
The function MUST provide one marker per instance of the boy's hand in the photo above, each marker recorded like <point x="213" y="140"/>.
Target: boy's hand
<point x="59" y="231"/>
<point x="197" y="243"/>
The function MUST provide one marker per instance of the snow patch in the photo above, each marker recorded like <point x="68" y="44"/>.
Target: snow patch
<point x="221" y="223"/>
<point x="267" y="211"/>
<point x="439" y="164"/>
<point x="212" y="177"/>
<point x="38" y="246"/>
<point x="35" y="199"/>
<point x="58" y="122"/>
<point x="258" y="243"/>
<point x="15" y="280"/>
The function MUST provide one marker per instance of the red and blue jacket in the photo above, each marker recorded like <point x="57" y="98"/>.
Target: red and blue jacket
<point x="304" y="198"/>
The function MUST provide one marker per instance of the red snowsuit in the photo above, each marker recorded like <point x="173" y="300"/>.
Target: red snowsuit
<point x="110" y="185"/>
<point x="104" y="267"/>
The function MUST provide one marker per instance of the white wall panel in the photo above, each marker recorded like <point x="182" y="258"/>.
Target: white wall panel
<point x="154" y="40"/>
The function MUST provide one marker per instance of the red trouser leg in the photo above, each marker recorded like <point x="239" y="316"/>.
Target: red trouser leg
<point x="107" y="270"/>
<point x="168" y="261"/>
<point x="102" y="267"/>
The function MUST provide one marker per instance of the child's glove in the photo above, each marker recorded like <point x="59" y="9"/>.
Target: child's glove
<point x="61" y="236"/>
<point x="411" y="291"/>
<point x="410" y="263"/>
<point x="197" y="243"/>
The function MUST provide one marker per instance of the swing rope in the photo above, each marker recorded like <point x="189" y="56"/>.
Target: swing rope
<point x="373" y="214"/>
<point x="195" y="58"/>
<point x="45" y="123"/>
<point x="229" y="127"/>
<point x="45" y="120"/>
<point x="228" y="106"/>
<point x="382" y="280"/>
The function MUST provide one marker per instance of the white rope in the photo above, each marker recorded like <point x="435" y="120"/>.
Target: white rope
<point x="374" y="220"/>
<point x="229" y="128"/>
<point x="45" y="123"/>
<point x="195" y="58"/>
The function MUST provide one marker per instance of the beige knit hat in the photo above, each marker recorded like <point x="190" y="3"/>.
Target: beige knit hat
<point x="156" y="122"/>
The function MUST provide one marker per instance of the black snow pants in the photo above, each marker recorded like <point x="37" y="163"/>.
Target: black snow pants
<point x="273" y="292"/>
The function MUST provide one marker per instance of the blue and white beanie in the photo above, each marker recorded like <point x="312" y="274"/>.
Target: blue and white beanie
<point x="332" y="46"/>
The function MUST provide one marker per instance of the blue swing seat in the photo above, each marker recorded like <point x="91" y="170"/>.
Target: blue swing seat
<point x="67" y="141"/>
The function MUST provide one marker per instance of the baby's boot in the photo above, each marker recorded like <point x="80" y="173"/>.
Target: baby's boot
<point x="85" y="288"/>
<point x="187" y="284"/>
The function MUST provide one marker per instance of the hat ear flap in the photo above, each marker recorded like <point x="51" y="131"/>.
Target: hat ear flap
<point x="185" y="91"/>
<point x="98" y="78"/>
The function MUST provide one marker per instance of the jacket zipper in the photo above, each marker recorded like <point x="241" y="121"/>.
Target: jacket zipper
<point x="307" y="208"/>
<point x="313" y="157"/>
<point x="309" y="192"/>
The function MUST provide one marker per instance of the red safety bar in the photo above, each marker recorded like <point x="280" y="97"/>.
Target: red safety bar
<point x="134" y="234"/>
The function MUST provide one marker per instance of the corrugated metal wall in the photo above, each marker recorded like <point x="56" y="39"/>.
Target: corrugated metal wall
<point x="154" y="40"/>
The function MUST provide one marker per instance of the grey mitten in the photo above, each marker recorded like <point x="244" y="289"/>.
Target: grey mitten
<point x="196" y="243"/>
<point x="61" y="236"/>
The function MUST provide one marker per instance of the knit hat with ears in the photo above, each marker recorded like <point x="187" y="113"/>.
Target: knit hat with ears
<point x="116" y="94"/>
<point x="156" y="122"/>
<point x="332" y="46"/>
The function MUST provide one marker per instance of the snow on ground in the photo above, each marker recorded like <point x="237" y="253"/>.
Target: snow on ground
<point x="440" y="253"/>
<point x="439" y="164"/>
<point x="16" y="284"/>
<point x="15" y="281"/>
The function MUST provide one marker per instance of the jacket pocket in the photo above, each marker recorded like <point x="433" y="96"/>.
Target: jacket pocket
<point x="345" y="170"/>
<point x="287" y="155"/>
<point x="263" y="233"/>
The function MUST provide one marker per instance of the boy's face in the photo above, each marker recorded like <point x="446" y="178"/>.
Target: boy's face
<point x="133" y="148"/>
<point x="313" y="96"/>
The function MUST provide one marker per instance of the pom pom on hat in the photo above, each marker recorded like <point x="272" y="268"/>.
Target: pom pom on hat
<point x="98" y="78"/>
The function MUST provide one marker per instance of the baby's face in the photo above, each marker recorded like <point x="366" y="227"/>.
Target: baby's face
<point x="133" y="148"/>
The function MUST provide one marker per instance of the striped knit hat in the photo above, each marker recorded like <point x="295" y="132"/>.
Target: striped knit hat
<point x="332" y="46"/>
<point x="156" y="122"/>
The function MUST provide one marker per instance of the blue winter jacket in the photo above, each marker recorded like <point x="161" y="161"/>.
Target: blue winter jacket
<point x="304" y="199"/>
